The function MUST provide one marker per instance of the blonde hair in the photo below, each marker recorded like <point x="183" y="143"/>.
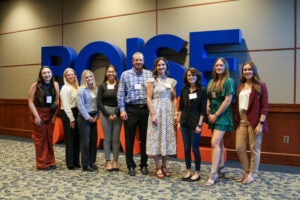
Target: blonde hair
<point x="75" y="83"/>
<point x="218" y="84"/>
<point x="83" y="83"/>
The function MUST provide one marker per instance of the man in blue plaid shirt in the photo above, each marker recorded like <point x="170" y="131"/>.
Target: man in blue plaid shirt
<point x="132" y="100"/>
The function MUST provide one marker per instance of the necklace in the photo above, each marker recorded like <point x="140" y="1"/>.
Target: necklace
<point x="108" y="83"/>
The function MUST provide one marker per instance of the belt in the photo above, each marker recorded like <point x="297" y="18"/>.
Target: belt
<point x="242" y="112"/>
<point x="137" y="105"/>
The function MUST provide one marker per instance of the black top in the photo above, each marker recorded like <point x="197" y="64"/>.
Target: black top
<point x="191" y="109"/>
<point x="47" y="92"/>
<point x="107" y="97"/>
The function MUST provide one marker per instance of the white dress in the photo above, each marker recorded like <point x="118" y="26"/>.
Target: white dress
<point x="161" y="139"/>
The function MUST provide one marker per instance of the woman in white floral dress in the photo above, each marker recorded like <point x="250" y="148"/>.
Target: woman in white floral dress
<point x="162" y="105"/>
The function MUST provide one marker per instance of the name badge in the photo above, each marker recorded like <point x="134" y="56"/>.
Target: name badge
<point x="92" y="94"/>
<point x="168" y="85"/>
<point x="48" y="99"/>
<point x="213" y="95"/>
<point x="193" y="96"/>
<point x="110" y="87"/>
<point x="137" y="86"/>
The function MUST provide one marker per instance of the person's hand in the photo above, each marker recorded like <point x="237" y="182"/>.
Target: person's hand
<point x="38" y="121"/>
<point x="72" y="124"/>
<point x="258" y="129"/>
<point x="175" y="120"/>
<point x="178" y="126"/>
<point x="198" y="129"/>
<point x="153" y="119"/>
<point x="92" y="119"/>
<point x="123" y="115"/>
<point x="113" y="117"/>
<point x="212" y="118"/>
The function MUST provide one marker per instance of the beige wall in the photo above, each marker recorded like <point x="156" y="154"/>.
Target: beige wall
<point x="267" y="27"/>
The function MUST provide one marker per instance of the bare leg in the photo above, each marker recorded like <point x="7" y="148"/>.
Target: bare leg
<point x="187" y="175"/>
<point x="158" y="172"/>
<point x="156" y="160"/>
<point x="216" y="140"/>
<point x="164" y="168"/>
<point x="116" y="165"/>
<point x="108" y="166"/>
<point x="221" y="172"/>
<point x="196" y="175"/>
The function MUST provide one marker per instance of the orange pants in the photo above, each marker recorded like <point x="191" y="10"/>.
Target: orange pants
<point x="42" y="136"/>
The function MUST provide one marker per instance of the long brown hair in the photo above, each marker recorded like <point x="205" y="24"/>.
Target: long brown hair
<point x="217" y="83"/>
<point x="255" y="78"/>
<point x="39" y="95"/>
<point x="155" y="73"/>
<point x="194" y="72"/>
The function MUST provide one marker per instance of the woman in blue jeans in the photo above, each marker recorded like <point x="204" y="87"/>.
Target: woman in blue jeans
<point x="192" y="109"/>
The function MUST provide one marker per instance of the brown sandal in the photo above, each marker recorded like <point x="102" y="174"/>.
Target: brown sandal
<point x="159" y="173"/>
<point x="165" y="171"/>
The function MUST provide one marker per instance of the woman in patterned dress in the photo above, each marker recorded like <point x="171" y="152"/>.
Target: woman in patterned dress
<point x="162" y="105"/>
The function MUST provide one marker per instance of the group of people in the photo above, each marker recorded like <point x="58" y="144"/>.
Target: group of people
<point x="147" y="101"/>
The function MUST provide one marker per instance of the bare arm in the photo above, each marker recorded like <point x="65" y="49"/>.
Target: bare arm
<point x="208" y="107"/>
<point x="227" y="101"/>
<point x="149" y="102"/>
<point x="37" y="119"/>
<point x="174" y="98"/>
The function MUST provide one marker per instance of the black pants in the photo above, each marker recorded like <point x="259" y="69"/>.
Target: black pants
<point x="72" y="139"/>
<point x="137" y="117"/>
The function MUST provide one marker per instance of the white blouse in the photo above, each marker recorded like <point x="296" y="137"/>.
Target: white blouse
<point x="68" y="96"/>
<point x="244" y="99"/>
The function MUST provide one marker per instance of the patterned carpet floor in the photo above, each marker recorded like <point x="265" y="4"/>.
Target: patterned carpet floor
<point x="19" y="179"/>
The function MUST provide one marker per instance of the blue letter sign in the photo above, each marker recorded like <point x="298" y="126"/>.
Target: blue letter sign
<point x="60" y="57"/>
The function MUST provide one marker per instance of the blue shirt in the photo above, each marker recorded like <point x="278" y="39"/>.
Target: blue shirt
<point x="132" y="88"/>
<point x="86" y="102"/>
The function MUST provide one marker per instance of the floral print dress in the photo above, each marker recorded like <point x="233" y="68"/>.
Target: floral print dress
<point x="161" y="139"/>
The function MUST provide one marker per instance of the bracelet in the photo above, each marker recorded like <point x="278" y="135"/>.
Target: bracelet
<point x="199" y="125"/>
<point x="261" y="122"/>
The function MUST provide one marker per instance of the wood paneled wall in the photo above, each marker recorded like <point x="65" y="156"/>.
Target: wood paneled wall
<point x="283" y="119"/>
<point x="14" y="117"/>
